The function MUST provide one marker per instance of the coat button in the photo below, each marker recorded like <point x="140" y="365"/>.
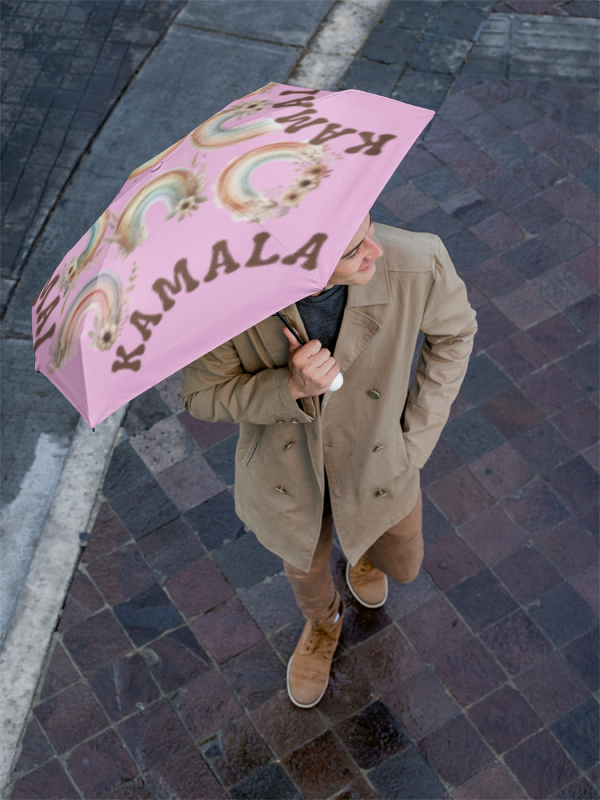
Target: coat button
<point x="294" y="422"/>
<point x="378" y="447"/>
<point x="380" y="493"/>
<point x="281" y="490"/>
<point x="373" y="394"/>
<point x="288" y="445"/>
<point x="279" y="421"/>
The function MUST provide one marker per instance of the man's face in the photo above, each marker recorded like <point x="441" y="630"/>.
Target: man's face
<point x="357" y="266"/>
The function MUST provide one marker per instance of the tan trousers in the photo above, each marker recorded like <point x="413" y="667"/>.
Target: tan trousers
<point x="398" y="552"/>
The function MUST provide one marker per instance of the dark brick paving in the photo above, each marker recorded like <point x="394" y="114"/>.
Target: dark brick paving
<point x="166" y="675"/>
<point x="64" y="66"/>
<point x="415" y="50"/>
<point x="558" y="8"/>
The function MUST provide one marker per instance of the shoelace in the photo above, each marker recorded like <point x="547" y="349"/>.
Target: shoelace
<point x="320" y="637"/>
<point x="365" y="564"/>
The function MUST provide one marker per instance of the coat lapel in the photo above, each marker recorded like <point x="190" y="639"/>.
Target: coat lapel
<point x="358" y="328"/>
<point x="271" y="335"/>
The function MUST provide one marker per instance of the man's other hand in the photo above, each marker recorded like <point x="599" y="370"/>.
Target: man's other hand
<point x="311" y="368"/>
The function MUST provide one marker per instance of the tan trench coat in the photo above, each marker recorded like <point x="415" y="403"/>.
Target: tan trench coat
<point x="370" y="437"/>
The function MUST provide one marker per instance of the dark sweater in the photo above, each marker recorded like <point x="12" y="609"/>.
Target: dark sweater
<point x="322" y="315"/>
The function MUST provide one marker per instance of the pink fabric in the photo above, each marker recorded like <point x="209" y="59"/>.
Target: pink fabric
<point x="193" y="249"/>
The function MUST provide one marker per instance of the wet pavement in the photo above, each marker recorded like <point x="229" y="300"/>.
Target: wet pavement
<point x="65" y="65"/>
<point x="166" y="674"/>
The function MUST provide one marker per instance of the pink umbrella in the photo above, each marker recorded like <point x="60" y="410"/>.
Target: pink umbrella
<point x="247" y="214"/>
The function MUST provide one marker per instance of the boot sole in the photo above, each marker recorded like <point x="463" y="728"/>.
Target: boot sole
<point x="356" y="597"/>
<point x="291" y="696"/>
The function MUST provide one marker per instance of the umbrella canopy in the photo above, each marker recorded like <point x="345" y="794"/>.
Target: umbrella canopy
<point x="247" y="214"/>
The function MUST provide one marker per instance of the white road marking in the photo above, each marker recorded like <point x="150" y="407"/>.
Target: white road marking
<point x="337" y="44"/>
<point x="48" y="579"/>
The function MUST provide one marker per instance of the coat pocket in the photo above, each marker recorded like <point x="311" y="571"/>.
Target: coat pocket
<point x="401" y="444"/>
<point x="254" y="446"/>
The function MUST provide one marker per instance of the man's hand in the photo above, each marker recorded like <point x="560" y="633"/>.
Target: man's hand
<point x="311" y="368"/>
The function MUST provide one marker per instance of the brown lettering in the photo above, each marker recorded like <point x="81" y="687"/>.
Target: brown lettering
<point x="220" y="249"/>
<point x="46" y="290"/>
<point x="330" y="133"/>
<point x="162" y="285"/>
<point x="256" y="259"/>
<point x="309" y="251"/>
<point x="42" y="339"/>
<point x="303" y="102"/>
<point x="374" y="147"/>
<point x="297" y="116"/>
<point x="301" y="91"/>
<point x="303" y="122"/>
<point x="142" y="321"/>
<point x="127" y="362"/>
<point x="44" y="313"/>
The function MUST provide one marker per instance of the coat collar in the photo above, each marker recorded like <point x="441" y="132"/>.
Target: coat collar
<point x="358" y="328"/>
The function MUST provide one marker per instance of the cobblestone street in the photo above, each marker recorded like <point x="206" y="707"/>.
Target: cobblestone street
<point x="65" y="65"/>
<point x="478" y="681"/>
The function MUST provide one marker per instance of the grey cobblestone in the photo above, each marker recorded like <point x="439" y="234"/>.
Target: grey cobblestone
<point x="64" y="64"/>
<point x="530" y="47"/>
<point x="423" y="44"/>
<point x="417" y="48"/>
<point x="459" y="20"/>
<point x="389" y="44"/>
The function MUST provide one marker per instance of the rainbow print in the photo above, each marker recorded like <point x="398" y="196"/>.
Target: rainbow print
<point x="152" y="162"/>
<point x="103" y="295"/>
<point x="92" y="247"/>
<point x="234" y="186"/>
<point x="180" y="190"/>
<point x="212" y="134"/>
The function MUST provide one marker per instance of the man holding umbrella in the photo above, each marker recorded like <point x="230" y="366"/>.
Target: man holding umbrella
<point x="308" y="456"/>
<point x="250" y="212"/>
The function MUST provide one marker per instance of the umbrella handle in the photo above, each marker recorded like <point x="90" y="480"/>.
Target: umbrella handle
<point x="290" y="328"/>
<point x="338" y="382"/>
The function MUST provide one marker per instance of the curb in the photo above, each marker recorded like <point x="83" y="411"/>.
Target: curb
<point x="336" y="45"/>
<point x="50" y="573"/>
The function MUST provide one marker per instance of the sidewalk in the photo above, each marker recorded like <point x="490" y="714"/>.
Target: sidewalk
<point x="480" y="679"/>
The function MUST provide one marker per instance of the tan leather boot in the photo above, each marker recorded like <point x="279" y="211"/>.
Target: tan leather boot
<point x="367" y="583"/>
<point x="309" y="667"/>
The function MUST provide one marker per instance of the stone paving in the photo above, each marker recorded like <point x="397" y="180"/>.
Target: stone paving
<point x="64" y="66"/>
<point x="526" y="47"/>
<point x="166" y="675"/>
<point x="558" y="8"/>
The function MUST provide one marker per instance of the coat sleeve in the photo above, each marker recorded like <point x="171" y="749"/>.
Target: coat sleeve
<point x="449" y="327"/>
<point x="217" y="389"/>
